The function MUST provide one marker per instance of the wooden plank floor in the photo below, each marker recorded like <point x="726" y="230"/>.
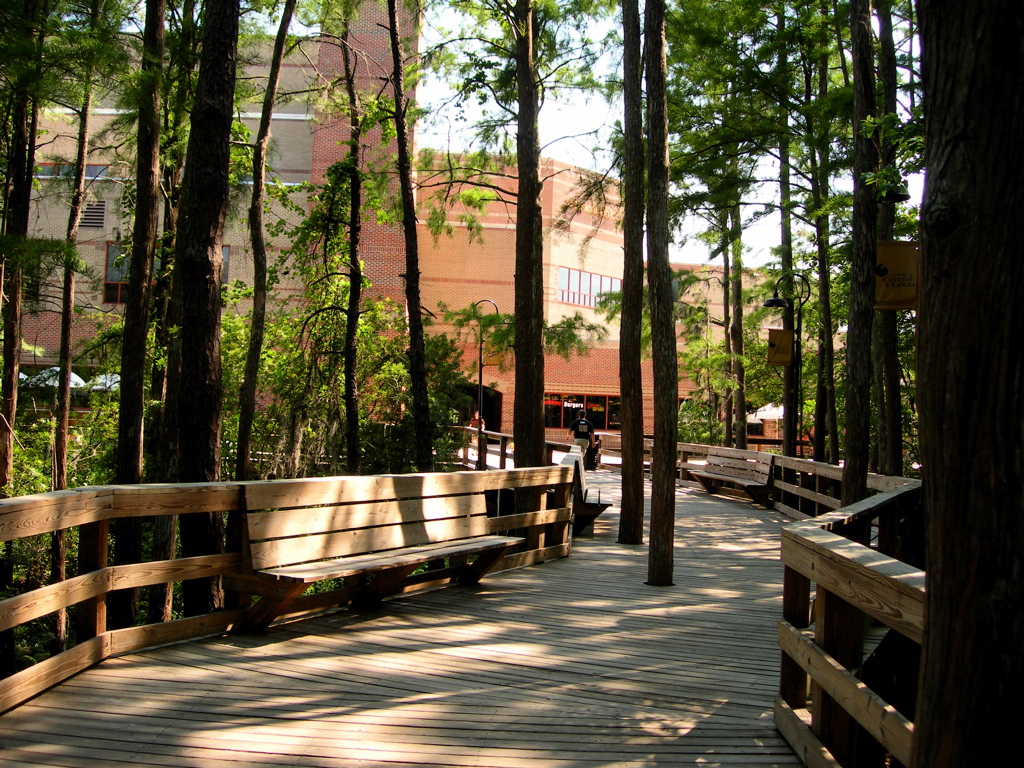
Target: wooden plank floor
<point x="571" y="664"/>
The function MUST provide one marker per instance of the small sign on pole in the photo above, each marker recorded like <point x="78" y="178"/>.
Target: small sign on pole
<point x="780" y="347"/>
<point x="897" y="275"/>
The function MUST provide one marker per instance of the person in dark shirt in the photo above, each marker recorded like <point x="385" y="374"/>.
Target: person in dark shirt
<point x="582" y="431"/>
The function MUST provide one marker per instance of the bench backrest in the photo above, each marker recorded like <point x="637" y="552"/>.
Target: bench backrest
<point x="291" y="522"/>
<point x="752" y="465"/>
<point x="574" y="458"/>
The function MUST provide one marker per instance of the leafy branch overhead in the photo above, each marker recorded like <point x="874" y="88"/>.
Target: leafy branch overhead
<point x="572" y="335"/>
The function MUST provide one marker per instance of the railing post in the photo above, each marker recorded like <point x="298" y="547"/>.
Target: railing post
<point x="481" y="449"/>
<point x="796" y="609"/>
<point x="559" y="498"/>
<point x="503" y="451"/>
<point x="93" y="548"/>
<point x="839" y="630"/>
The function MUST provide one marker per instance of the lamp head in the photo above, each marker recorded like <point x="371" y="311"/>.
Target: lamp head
<point x="896" y="194"/>
<point x="776" y="302"/>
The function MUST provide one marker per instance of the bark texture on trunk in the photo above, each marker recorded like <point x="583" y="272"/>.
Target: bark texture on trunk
<point x="663" y="335"/>
<point x="970" y="374"/>
<point x="123" y="605"/>
<point x="528" y="416"/>
<point x="631" y="518"/>
<point x="205" y="192"/>
<point x="257" y="323"/>
<point x="350" y="356"/>
<point x="862" y="262"/>
<point x="424" y="428"/>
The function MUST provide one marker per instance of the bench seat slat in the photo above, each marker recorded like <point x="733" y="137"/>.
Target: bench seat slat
<point x="751" y="481"/>
<point x="379" y="561"/>
<point x="749" y="470"/>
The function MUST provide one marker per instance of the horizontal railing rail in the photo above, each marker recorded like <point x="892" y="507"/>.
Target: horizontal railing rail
<point x="89" y="511"/>
<point x="850" y="634"/>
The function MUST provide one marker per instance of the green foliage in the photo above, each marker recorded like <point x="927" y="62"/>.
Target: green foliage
<point x="299" y="427"/>
<point x="460" y="186"/>
<point x="569" y="336"/>
<point x="699" y="423"/>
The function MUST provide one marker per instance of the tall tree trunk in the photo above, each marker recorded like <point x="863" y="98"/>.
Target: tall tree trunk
<point x="826" y="427"/>
<point x="258" y="320"/>
<point x="970" y="376"/>
<point x="736" y="327"/>
<point x="892" y="416"/>
<point x="663" y="330"/>
<point x="58" y="539"/>
<point x="631" y="518"/>
<point x="790" y="373"/>
<point x="826" y="439"/>
<point x="424" y="428"/>
<point x="204" y="200"/>
<point x="20" y="165"/>
<point x="728" y="431"/>
<point x="161" y="439"/>
<point x="877" y="446"/>
<point x="862" y="262"/>
<point x="528" y="416"/>
<point x="353" y="445"/>
<point x="123" y="605"/>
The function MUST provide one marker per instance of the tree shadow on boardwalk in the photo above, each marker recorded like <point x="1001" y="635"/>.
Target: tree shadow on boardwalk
<point x="571" y="663"/>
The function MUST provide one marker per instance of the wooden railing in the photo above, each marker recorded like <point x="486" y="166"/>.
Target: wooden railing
<point x="851" y="647"/>
<point x="90" y="510"/>
<point x="853" y="613"/>
<point x="482" y="440"/>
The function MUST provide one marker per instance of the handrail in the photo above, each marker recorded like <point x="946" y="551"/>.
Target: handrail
<point x="851" y="558"/>
<point x="504" y="440"/>
<point x="91" y="509"/>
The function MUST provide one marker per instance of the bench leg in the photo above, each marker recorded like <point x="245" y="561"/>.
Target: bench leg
<point x="709" y="485"/>
<point x="383" y="584"/>
<point x="269" y="607"/>
<point x="471" y="574"/>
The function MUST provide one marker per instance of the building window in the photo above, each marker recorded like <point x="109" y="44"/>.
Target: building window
<point x="67" y="171"/>
<point x="583" y="288"/>
<point x="94" y="215"/>
<point x="115" y="276"/>
<point x="553" y="411"/>
<point x="615" y="413"/>
<point x="560" y="410"/>
<point x="115" y="279"/>
<point x="225" y="252"/>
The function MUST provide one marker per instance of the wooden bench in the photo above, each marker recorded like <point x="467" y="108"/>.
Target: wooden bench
<point x="373" y="532"/>
<point x="750" y="471"/>
<point x="585" y="510"/>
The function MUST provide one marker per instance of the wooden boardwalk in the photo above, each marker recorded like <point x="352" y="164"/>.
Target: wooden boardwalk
<point x="571" y="664"/>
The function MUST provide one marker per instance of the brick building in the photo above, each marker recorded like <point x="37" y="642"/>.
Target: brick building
<point x="455" y="270"/>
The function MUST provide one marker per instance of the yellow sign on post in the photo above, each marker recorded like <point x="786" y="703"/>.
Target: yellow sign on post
<point x="897" y="274"/>
<point x="780" y="347"/>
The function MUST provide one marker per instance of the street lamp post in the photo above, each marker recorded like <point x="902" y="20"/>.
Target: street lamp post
<point x="481" y="462"/>
<point x="792" y="424"/>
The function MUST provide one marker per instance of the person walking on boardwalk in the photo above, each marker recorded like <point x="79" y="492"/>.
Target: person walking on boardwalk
<point x="582" y="431"/>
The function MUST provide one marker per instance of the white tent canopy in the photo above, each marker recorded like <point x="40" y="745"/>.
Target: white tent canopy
<point x="50" y="377"/>
<point x="768" y="412"/>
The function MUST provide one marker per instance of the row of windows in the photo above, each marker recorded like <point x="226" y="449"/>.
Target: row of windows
<point x="115" y="276"/>
<point x="67" y="171"/>
<point x="578" y="287"/>
<point x="602" y="410"/>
